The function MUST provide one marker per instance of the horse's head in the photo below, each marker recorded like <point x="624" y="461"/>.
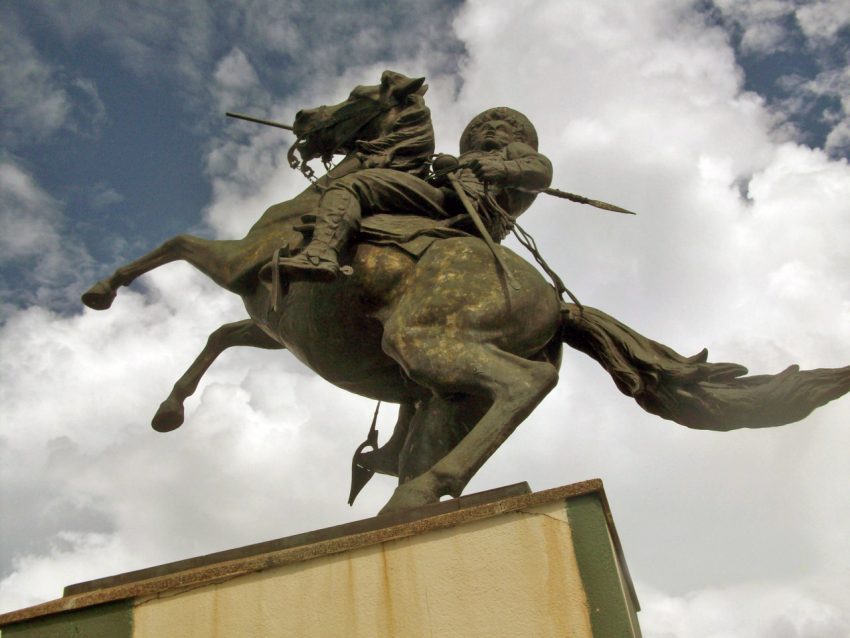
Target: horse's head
<point x="369" y="112"/>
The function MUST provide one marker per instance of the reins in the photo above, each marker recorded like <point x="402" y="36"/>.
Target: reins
<point x="357" y="114"/>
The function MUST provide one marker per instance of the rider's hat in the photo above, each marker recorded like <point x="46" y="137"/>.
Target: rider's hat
<point x="524" y="129"/>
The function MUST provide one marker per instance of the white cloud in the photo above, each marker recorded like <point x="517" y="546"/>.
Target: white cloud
<point x="310" y="43"/>
<point x="32" y="246"/>
<point x="102" y="195"/>
<point x="158" y="38"/>
<point x="640" y="105"/>
<point x="33" y="102"/>
<point x="821" y="20"/>
<point x="90" y="111"/>
<point x="769" y="611"/>
<point x="764" y="23"/>
<point x="37" y="98"/>
<point x="234" y="72"/>
<point x="28" y="215"/>
<point x="835" y="83"/>
<point x="838" y="139"/>
<point x="804" y="93"/>
<point x="811" y="29"/>
<point x="87" y="555"/>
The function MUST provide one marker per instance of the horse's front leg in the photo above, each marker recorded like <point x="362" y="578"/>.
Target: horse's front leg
<point x="214" y="258"/>
<point x="169" y="416"/>
<point x="447" y="363"/>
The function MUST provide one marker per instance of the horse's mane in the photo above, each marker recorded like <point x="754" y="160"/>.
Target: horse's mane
<point x="410" y="141"/>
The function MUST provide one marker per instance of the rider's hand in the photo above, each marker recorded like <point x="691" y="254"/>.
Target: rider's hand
<point x="489" y="170"/>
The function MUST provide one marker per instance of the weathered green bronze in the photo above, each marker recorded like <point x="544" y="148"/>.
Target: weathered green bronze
<point x="427" y="318"/>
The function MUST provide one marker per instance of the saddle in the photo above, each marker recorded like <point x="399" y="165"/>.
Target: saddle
<point x="411" y="233"/>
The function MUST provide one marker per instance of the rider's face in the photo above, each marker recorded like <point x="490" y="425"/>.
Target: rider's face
<point x="493" y="135"/>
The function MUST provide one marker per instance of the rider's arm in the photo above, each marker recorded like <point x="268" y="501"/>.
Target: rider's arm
<point x="525" y="168"/>
<point x="516" y="166"/>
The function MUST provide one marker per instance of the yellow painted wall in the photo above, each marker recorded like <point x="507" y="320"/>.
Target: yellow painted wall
<point x="510" y="575"/>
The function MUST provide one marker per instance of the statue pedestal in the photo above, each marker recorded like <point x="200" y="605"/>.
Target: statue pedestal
<point x="500" y="563"/>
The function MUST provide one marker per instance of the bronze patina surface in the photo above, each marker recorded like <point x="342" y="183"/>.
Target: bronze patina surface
<point x="462" y="333"/>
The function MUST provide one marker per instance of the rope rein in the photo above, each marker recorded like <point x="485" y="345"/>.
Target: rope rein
<point x="528" y="242"/>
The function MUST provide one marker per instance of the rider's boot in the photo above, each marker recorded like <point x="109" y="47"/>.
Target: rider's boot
<point x="337" y="219"/>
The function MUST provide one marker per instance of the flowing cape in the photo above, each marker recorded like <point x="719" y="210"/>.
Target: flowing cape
<point x="691" y="390"/>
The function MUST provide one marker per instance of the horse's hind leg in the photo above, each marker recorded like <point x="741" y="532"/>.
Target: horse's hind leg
<point x="214" y="258"/>
<point x="451" y="365"/>
<point x="169" y="416"/>
<point x="440" y="424"/>
<point x="424" y="430"/>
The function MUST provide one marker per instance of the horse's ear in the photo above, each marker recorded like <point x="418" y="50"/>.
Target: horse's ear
<point x="407" y="87"/>
<point x="422" y="89"/>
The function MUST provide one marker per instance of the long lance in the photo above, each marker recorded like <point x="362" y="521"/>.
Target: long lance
<point x="258" y="120"/>
<point x="579" y="199"/>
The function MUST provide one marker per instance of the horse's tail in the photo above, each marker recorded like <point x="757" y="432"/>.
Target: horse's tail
<point x="690" y="390"/>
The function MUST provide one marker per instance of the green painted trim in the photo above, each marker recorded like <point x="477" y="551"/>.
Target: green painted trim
<point x="111" y="620"/>
<point x="612" y="614"/>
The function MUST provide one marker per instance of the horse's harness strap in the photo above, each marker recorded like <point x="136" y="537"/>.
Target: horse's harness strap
<point x="530" y="245"/>
<point x="370" y="110"/>
<point x="482" y="230"/>
<point x="275" y="291"/>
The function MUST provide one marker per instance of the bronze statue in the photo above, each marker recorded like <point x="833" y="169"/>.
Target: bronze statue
<point x="463" y="334"/>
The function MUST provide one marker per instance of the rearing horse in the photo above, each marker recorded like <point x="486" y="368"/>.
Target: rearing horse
<point x="466" y="358"/>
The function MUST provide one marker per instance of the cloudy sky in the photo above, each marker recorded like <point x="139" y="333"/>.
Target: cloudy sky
<point x="725" y="124"/>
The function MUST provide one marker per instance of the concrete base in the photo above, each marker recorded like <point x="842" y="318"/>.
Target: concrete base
<point x="499" y="563"/>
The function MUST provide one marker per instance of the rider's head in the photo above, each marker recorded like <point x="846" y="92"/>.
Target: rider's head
<point x="496" y="128"/>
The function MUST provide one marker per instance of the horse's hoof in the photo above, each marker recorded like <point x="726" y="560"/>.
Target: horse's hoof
<point x="99" y="297"/>
<point x="412" y="494"/>
<point x="169" y="416"/>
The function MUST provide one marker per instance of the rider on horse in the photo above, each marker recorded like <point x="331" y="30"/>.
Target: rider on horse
<point x="499" y="170"/>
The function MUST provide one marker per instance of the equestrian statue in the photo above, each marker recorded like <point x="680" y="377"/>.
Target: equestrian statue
<point x="386" y="277"/>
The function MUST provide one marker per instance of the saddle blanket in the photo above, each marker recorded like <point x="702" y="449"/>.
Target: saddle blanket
<point x="411" y="233"/>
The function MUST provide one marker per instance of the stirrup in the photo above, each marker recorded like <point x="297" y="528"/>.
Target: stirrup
<point x="360" y="474"/>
